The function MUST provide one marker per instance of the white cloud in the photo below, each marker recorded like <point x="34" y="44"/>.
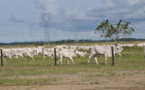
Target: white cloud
<point x="134" y="2"/>
<point x="47" y="5"/>
<point x="63" y="12"/>
<point x="137" y="13"/>
<point x="68" y="11"/>
<point x="120" y="9"/>
<point x="107" y="3"/>
<point x="63" y="26"/>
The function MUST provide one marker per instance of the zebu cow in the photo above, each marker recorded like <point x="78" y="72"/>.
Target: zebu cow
<point x="140" y="44"/>
<point x="66" y="53"/>
<point x="7" y="53"/>
<point x="30" y="53"/>
<point x="105" y="50"/>
<point x="80" y="53"/>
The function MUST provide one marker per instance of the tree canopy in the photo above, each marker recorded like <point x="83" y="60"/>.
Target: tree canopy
<point x="122" y="28"/>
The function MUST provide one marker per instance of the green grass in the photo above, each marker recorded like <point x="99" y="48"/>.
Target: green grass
<point x="132" y="60"/>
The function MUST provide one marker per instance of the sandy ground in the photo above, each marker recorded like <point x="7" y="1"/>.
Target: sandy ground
<point x="82" y="81"/>
<point x="73" y="87"/>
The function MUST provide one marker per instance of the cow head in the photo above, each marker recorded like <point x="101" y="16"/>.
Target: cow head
<point x="118" y="49"/>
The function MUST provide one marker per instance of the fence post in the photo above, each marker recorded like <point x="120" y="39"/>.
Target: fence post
<point x="43" y="54"/>
<point x="112" y="49"/>
<point x="144" y="52"/>
<point x="1" y="57"/>
<point x="55" y="62"/>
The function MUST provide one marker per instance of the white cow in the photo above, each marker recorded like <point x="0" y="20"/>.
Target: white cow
<point x="104" y="50"/>
<point x="80" y="53"/>
<point x="30" y="54"/>
<point x="84" y="47"/>
<point x="140" y="44"/>
<point x="62" y="47"/>
<point x="127" y="45"/>
<point x="66" y="53"/>
<point x="7" y="53"/>
<point x="118" y="49"/>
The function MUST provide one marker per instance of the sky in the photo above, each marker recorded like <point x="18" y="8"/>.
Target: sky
<point x="21" y="20"/>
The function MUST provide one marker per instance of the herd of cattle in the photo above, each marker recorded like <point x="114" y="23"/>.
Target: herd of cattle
<point x="64" y="51"/>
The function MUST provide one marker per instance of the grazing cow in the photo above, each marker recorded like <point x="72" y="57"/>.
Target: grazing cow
<point x="104" y="50"/>
<point x="117" y="49"/>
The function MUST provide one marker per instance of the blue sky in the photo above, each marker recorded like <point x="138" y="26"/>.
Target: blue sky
<point x="20" y="20"/>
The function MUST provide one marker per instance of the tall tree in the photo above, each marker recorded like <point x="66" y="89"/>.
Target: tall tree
<point x="107" y="30"/>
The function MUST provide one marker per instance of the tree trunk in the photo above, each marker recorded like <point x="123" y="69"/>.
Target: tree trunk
<point x="115" y="41"/>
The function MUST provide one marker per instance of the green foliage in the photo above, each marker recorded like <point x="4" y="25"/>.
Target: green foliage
<point x="107" y="30"/>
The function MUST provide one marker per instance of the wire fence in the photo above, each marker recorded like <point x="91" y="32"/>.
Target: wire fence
<point x="131" y="55"/>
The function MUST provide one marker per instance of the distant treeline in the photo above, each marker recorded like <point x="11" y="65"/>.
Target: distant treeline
<point x="39" y="43"/>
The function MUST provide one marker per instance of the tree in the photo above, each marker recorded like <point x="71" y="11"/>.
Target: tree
<point x="107" y="30"/>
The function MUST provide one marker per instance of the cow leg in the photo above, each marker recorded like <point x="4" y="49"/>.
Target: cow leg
<point x="72" y="60"/>
<point x="90" y="57"/>
<point x="96" y="60"/>
<point x="105" y="59"/>
<point x="61" y="61"/>
<point x="58" y="61"/>
<point x="10" y="57"/>
<point x="120" y="54"/>
<point x="33" y="59"/>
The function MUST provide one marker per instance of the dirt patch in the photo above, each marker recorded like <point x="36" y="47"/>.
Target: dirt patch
<point x="121" y="80"/>
<point x="72" y="87"/>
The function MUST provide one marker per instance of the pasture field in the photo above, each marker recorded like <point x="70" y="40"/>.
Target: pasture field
<point x="127" y="74"/>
